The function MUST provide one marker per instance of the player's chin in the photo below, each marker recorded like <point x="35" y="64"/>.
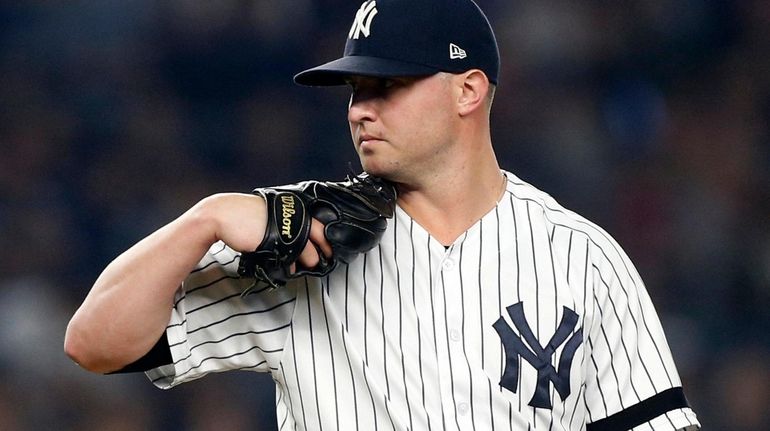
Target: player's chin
<point x="378" y="168"/>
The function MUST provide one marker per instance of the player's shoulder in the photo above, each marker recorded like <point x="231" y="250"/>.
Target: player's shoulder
<point x="541" y="207"/>
<point x="541" y="203"/>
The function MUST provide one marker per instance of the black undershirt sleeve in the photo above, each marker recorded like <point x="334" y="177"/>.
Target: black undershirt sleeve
<point x="160" y="354"/>
<point x="645" y="411"/>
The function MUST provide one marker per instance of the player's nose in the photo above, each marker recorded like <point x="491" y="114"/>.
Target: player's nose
<point x="361" y="108"/>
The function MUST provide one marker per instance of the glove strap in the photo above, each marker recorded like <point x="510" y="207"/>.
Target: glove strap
<point x="287" y="232"/>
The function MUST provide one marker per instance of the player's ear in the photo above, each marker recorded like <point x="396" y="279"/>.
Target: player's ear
<point x="473" y="94"/>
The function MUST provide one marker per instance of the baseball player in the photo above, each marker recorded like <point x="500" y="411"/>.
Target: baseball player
<point x="472" y="300"/>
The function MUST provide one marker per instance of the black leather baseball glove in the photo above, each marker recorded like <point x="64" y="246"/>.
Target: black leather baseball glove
<point x="354" y="213"/>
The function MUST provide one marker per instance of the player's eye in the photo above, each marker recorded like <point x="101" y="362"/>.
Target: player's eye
<point x="371" y="87"/>
<point x="351" y="83"/>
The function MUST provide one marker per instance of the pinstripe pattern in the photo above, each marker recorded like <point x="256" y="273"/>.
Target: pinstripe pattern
<point x="402" y="338"/>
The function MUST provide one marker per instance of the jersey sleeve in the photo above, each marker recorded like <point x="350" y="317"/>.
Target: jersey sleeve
<point x="214" y="329"/>
<point x="631" y="376"/>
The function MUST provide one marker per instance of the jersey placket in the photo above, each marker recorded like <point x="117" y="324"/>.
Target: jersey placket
<point x="451" y="361"/>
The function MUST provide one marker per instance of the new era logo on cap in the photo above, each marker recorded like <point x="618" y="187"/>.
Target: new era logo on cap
<point x="363" y="21"/>
<point x="456" y="53"/>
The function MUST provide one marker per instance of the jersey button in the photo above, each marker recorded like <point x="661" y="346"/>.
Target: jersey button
<point x="462" y="408"/>
<point x="454" y="334"/>
<point x="449" y="264"/>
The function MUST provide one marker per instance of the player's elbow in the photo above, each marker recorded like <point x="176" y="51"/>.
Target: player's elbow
<point x="77" y="349"/>
<point x="85" y="353"/>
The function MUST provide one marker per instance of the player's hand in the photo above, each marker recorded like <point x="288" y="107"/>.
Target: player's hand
<point x="309" y="257"/>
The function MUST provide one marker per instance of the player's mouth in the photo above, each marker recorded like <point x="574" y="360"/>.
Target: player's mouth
<point x="366" y="140"/>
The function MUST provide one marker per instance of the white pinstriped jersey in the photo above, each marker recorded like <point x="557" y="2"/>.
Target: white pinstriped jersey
<point x="533" y="319"/>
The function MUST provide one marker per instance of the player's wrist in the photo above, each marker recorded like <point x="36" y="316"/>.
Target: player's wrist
<point x="237" y="219"/>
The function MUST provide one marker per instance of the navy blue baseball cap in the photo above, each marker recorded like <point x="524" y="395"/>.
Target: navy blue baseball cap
<point x="399" y="38"/>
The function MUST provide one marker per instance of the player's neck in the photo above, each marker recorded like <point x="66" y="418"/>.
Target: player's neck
<point x="447" y="206"/>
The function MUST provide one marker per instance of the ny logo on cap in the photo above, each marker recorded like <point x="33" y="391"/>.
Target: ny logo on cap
<point x="363" y="21"/>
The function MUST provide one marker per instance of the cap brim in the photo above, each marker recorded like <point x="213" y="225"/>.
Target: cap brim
<point x="335" y="72"/>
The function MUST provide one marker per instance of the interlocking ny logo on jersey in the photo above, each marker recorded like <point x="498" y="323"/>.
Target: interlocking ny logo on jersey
<point x="537" y="356"/>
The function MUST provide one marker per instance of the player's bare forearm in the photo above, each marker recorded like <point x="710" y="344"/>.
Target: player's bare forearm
<point x="129" y="306"/>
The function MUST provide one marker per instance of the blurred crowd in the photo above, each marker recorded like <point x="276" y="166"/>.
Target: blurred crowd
<point x="651" y="118"/>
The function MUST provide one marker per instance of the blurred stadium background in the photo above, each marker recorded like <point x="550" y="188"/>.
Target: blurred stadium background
<point x="651" y="118"/>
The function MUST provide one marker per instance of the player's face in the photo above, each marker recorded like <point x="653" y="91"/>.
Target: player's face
<point x="401" y="127"/>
